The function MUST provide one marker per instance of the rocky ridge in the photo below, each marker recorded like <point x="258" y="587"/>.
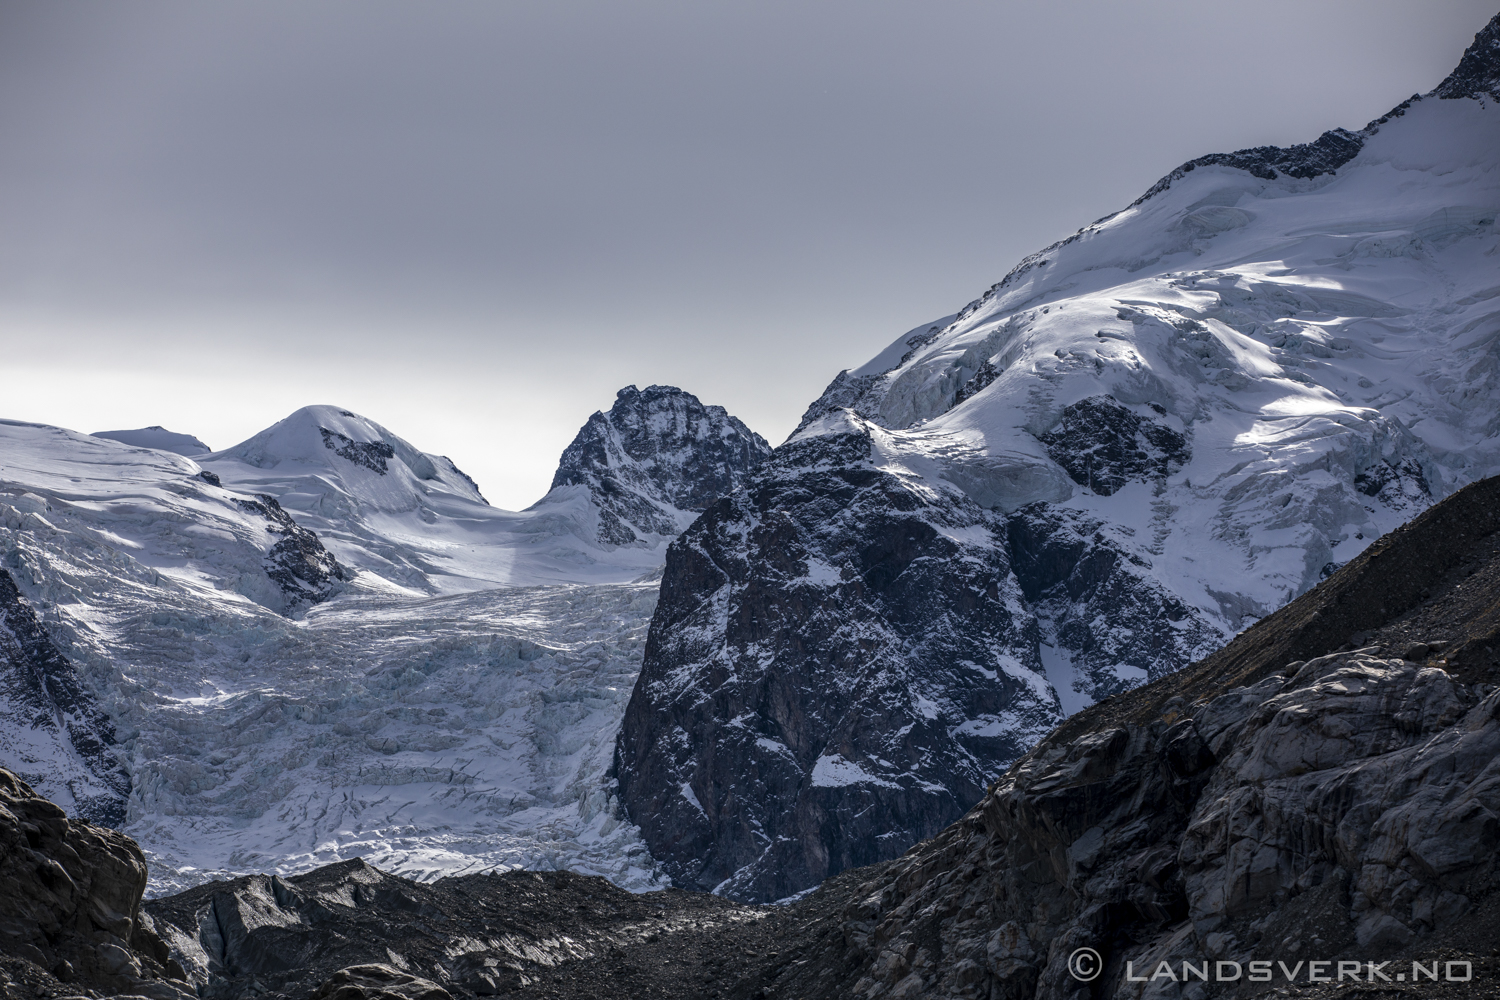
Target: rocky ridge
<point x="1140" y="442"/>
<point x="55" y="730"/>
<point x="655" y="459"/>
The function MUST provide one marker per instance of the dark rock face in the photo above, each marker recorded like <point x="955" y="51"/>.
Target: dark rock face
<point x="372" y="455"/>
<point x="1104" y="445"/>
<point x="306" y="572"/>
<point x="378" y="982"/>
<point x="42" y="691"/>
<point x="350" y="932"/>
<point x="982" y="378"/>
<point x="1304" y="160"/>
<point x="1400" y="485"/>
<point x="1478" y="72"/>
<point x="840" y="659"/>
<point x="1095" y="598"/>
<point x="655" y="453"/>
<point x="1339" y="807"/>
<point x="72" y="900"/>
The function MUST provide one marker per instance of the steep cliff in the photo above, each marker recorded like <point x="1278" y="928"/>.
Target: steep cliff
<point x="1323" y="789"/>
<point x="72" y="902"/>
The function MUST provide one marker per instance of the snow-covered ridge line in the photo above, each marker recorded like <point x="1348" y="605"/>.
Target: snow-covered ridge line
<point x="1477" y="76"/>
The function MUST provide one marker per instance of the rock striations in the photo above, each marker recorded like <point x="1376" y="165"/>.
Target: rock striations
<point x="1137" y="444"/>
<point x="841" y="659"/>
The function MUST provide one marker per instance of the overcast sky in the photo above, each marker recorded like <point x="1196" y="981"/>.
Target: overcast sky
<point x="473" y="222"/>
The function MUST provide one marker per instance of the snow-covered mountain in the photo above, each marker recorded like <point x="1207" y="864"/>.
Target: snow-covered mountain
<point x="160" y="438"/>
<point x="412" y="523"/>
<point x="1140" y="441"/>
<point x="323" y="643"/>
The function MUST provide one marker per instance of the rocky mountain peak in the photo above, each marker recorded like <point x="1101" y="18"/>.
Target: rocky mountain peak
<point x="1478" y="72"/>
<point x="657" y="454"/>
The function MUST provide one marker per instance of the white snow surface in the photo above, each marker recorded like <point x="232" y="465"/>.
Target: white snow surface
<point x="420" y="527"/>
<point x="157" y="436"/>
<point x="448" y="720"/>
<point x="1298" y="332"/>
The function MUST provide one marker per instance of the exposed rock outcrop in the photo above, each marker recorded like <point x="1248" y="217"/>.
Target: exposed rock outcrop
<point x="378" y="982"/>
<point x="306" y="572"/>
<point x="657" y="453"/>
<point x="842" y="658"/>
<point x="350" y="932"/>
<point x="70" y="901"/>
<point x="1268" y="804"/>
<point x="55" y="735"/>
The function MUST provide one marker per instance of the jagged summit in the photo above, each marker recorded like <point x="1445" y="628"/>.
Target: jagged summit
<point x="657" y="454"/>
<point x="461" y="670"/>
<point x="1478" y="72"/>
<point x="412" y="522"/>
<point x="157" y="437"/>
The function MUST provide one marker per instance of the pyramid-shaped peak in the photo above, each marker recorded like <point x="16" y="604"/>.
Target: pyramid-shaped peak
<point x="355" y="448"/>
<point x="658" y="448"/>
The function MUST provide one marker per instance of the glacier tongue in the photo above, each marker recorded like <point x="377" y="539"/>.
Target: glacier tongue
<point x="429" y="737"/>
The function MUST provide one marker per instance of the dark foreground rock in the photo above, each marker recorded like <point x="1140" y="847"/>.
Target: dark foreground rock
<point x="1326" y="788"/>
<point x="349" y="931"/>
<point x="70" y="905"/>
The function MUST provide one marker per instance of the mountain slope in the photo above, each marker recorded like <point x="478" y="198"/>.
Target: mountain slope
<point x="184" y="657"/>
<point x="1142" y="440"/>
<point x="1337" y="807"/>
<point x="413" y="523"/>
<point x="1322" y="789"/>
<point x="158" y="437"/>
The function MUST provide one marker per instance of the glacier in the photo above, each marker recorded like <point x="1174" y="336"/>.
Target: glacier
<point x="322" y="643"/>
